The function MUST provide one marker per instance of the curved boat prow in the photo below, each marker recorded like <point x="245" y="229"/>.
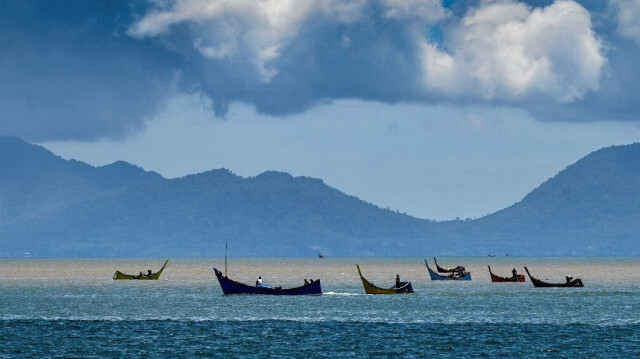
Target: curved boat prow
<point x="161" y="269"/>
<point x="164" y="265"/>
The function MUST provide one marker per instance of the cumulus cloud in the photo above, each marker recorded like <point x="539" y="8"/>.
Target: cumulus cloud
<point x="248" y="29"/>
<point x="628" y="16"/>
<point x="508" y="52"/>
<point x="498" y="51"/>
<point x="90" y="69"/>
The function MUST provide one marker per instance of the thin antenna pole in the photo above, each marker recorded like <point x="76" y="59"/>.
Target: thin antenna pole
<point x="225" y="259"/>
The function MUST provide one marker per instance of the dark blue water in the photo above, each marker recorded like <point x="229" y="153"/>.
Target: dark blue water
<point x="284" y="338"/>
<point x="48" y="310"/>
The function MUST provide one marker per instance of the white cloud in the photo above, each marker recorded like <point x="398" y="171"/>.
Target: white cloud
<point x="248" y="29"/>
<point x="504" y="50"/>
<point x="628" y="16"/>
<point x="500" y="51"/>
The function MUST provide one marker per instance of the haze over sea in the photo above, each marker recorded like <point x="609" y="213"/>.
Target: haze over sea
<point x="73" y="308"/>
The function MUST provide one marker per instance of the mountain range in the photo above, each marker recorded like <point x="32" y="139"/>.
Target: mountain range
<point x="52" y="207"/>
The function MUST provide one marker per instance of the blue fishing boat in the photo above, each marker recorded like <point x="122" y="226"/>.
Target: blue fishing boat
<point x="461" y="275"/>
<point x="230" y="286"/>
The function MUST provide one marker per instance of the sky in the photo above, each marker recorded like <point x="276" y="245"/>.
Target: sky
<point x="438" y="109"/>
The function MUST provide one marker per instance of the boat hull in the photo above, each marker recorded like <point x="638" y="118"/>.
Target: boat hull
<point x="153" y="276"/>
<point x="229" y="286"/>
<point x="498" y="279"/>
<point x="576" y="283"/>
<point x="435" y="276"/>
<point x="370" y="288"/>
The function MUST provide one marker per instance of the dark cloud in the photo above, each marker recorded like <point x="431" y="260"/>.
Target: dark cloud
<point x="69" y="71"/>
<point x="90" y="69"/>
<point x="615" y="100"/>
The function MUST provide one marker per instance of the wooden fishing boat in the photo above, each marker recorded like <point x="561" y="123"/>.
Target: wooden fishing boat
<point x="142" y="276"/>
<point x="399" y="288"/>
<point x="569" y="283"/>
<point x="495" y="278"/>
<point x="230" y="286"/>
<point x="453" y="276"/>
<point x="447" y="270"/>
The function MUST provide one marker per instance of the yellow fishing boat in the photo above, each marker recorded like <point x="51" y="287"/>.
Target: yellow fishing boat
<point x="398" y="288"/>
<point x="142" y="276"/>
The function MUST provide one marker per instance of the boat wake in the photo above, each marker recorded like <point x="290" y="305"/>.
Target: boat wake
<point x="343" y="294"/>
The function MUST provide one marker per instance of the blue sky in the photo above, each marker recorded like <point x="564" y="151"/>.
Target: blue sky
<point x="437" y="109"/>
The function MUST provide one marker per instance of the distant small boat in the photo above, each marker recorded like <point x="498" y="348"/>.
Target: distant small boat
<point x="447" y="270"/>
<point x="569" y="283"/>
<point x="460" y="275"/>
<point x="495" y="278"/>
<point x="399" y="288"/>
<point x="230" y="286"/>
<point x="320" y="255"/>
<point x="142" y="276"/>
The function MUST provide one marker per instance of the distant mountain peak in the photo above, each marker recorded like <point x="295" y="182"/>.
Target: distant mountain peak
<point x="58" y="207"/>
<point x="124" y="169"/>
<point x="274" y="176"/>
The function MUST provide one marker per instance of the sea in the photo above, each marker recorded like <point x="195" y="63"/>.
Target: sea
<point x="72" y="308"/>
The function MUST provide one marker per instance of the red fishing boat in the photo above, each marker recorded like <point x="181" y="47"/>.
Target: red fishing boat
<point x="496" y="278"/>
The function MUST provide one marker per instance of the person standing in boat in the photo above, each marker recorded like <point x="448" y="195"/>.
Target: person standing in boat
<point x="398" y="281"/>
<point x="515" y="273"/>
<point x="259" y="281"/>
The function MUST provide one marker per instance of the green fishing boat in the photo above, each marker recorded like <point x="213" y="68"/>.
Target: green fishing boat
<point x="141" y="276"/>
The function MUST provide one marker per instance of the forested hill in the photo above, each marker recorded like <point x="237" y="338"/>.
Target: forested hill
<point x="50" y="206"/>
<point x="592" y="207"/>
<point x="54" y="207"/>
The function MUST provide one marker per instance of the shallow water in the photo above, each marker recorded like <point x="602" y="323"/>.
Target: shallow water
<point x="73" y="308"/>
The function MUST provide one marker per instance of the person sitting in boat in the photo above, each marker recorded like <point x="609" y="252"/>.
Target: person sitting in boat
<point x="148" y="271"/>
<point x="259" y="281"/>
<point x="569" y="279"/>
<point x="306" y="281"/>
<point x="515" y="273"/>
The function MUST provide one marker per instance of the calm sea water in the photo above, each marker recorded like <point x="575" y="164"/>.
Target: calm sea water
<point x="72" y="308"/>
